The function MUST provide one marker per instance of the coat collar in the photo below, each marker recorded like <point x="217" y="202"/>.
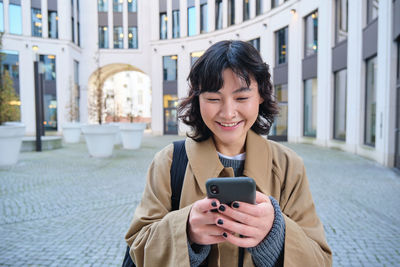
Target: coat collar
<point x="205" y="163"/>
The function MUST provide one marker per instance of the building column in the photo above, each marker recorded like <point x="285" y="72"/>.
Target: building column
<point x="252" y="8"/>
<point x="183" y="17"/>
<point x="197" y="12"/>
<point x="238" y="11"/>
<point x="224" y="14"/>
<point x="155" y="13"/>
<point x="45" y="25"/>
<point x="6" y="15"/>
<point x="110" y="25"/>
<point x="64" y="19"/>
<point x="169" y="17"/>
<point x="26" y="18"/>
<point x="125" y="23"/>
<point x="211" y="15"/>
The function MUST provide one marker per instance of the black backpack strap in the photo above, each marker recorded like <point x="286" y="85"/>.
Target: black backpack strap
<point x="177" y="172"/>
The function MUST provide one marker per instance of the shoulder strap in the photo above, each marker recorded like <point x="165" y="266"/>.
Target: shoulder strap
<point x="177" y="172"/>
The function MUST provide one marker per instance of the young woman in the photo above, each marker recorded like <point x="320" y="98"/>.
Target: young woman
<point x="229" y="106"/>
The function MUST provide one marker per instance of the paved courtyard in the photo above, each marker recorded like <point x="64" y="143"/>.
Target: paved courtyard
<point x="63" y="208"/>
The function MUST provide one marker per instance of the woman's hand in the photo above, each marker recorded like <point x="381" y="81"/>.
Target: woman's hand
<point x="252" y="222"/>
<point x="201" y="224"/>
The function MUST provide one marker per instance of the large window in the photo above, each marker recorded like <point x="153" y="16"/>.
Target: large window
<point x="256" y="43"/>
<point x="170" y="68"/>
<point x="311" y="34"/>
<point x="281" y="37"/>
<point x="36" y="15"/>
<point x="281" y="121"/>
<point x="203" y="18"/>
<point x="132" y="6"/>
<point x="231" y="12"/>
<point x="50" y="92"/>
<point x="259" y="7"/>
<point x="103" y="37"/>
<point x="246" y="10"/>
<point x="118" y="37"/>
<point x="194" y="56"/>
<point x="191" y="21"/>
<point x="372" y="10"/>
<point x="310" y="107"/>
<point x="10" y="64"/>
<point x="370" y="102"/>
<point x="274" y="3"/>
<point x="53" y="24"/>
<point x="175" y="24"/>
<point x="102" y="5"/>
<point x="341" y="20"/>
<point x="117" y="5"/>
<point x="15" y="18"/>
<point x="132" y="37"/>
<point x="163" y="26"/>
<point x="1" y="17"/>
<point x="340" y="97"/>
<point x="218" y="14"/>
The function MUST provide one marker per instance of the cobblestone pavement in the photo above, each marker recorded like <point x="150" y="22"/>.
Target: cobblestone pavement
<point x="63" y="208"/>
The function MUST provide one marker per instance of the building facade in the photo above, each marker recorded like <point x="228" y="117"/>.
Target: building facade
<point x="335" y="64"/>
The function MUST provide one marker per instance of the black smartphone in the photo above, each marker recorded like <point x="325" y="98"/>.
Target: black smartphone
<point x="230" y="189"/>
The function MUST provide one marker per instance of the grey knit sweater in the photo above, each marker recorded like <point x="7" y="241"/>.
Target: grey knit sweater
<point x="269" y="252"/>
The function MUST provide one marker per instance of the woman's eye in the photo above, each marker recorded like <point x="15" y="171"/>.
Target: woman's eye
<point x="242" y="98"/>
<point x="212" y="99"/>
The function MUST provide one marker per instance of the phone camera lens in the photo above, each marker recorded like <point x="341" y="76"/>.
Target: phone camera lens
<point x="214" y="189"/>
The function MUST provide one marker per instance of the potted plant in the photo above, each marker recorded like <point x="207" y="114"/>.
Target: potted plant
<point x="72" y="128"/>
<point x="132" y="132"/>
<point x="11" y="130"/>
<point x="99" y="137"/>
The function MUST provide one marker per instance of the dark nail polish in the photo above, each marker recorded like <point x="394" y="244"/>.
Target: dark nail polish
<point x="222" y="208"/>
<point x="235" y="205"/>
<point x="221" y="222"/>
<point x="214" y="204"/>
<point x="225" y="235"/>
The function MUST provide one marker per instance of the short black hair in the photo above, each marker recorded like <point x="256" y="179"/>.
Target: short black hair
<point x="206" y="75"/>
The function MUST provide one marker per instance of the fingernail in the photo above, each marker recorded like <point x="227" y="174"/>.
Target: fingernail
<point x="235" y="205"/>
<point x="224" y="235"/>
<point x="220" y="221"/>
<point x="214" y="204"/>
<point x="222" y="208"/>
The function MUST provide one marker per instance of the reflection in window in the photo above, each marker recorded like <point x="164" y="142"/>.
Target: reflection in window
<point x="231" y="12"/>
<point x="194" y="56"/>
<point x="36" y="15"/>
<point x="256" y="43"/>
<point x="246" y="10"/>
<point x="132" y="37"/>
<point x="53" y="24"/>
<point x="372" y="10"/>
<point x="118" y="37"/>
<point x="175" y="24"/>
<point x="103" y="37"/>
<point x="132" y="6"/>
<point x="274" y="3"/>
<point x="280" y="125"/>
<point x="50" y="92"/>
<point x="169" y="68"/>
<point x="1" y="17"/>
<point x="102" y="5"/>
<point x="15" y="19"/>
<point x="370" y="102"/>
<point x="259" y="7"/>
<point x="10" y="67"/>
<point x="191" y="21"/>
<point x="163" y="26"/>
<point x="310" y="107"/>
<point x="218" y="14"/>
<point x="76" y="93"/>
<point x="341" y="20"/>
<point x="281" y="37"/>
<point x="340" y="96"/>
<point x="203" y="18"/>
<point x="311" y="32"/>
<point x="117" y="5"/>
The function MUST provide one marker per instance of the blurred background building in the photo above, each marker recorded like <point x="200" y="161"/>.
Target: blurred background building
<point x="335" y="63"/>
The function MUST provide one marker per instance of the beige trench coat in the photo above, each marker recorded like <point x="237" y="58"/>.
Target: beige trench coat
<point x="158" y="237"/>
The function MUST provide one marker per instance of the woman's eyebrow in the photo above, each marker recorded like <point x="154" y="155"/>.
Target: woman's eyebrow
<point x="242" y="89"/>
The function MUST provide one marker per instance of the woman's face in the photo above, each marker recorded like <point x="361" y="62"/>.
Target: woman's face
<point x="230" y="112"/>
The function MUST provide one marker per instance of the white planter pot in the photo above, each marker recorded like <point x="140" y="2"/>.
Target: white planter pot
<point x="118" y="139"/>
<point x="10" y="142"/>
<point x="131" y="134"/>
<point x="72" y="132"/>
<point x="100" y="139"/>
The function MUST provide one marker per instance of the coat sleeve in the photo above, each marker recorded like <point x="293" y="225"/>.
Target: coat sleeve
<point x="305" y="242"/>
<point x="157" y="237"/>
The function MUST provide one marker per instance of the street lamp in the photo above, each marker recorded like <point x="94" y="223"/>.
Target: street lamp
<point x="38" y="72"/>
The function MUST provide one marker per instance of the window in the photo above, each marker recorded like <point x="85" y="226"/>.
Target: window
<point x="50" y="92"/>
<point x="169" y="68"/>
<point x="311" y="34"/>
<point x="259" y="7"/>
<point x="246" y="10"/>
<point x="15" y="19"/>
<point x="132" y="37"/>
<point x="175" y="24"/>
<point x="191" y="21"/>
<point x="10" y="63"/>
<point x="372" y="10"/>
<point x="103" y="37"/>
<point x="117" y="5"/>
<point x="218" y="14"/>
<point x="36" y="22"/>
<point x="281" y="37"/>
<point x="256" y="43"/>
<point x="341" y="20"/>
<point x="231" y="12"/>
<point x="163" y="26"/>
<point x="280" y="125"/>
<point x="73" y="29"/>
<point x="203" y="18"/>
<point x="102" y="5"/>
<point x="132" y="6"/>
<point x="310" y="107"/>
<point x="53" y="24"/>
<point x="340" y="96"/>
<point x="118" y="37"/>
<point x="370" y="102"/>
<point x="76" y="94"/>
<point x="194" y="56"/>
<point x="2" y="17"/>
<point x="274" y="3"/>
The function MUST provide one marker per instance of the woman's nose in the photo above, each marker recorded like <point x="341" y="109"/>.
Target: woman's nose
<point x="228" y="110"/>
